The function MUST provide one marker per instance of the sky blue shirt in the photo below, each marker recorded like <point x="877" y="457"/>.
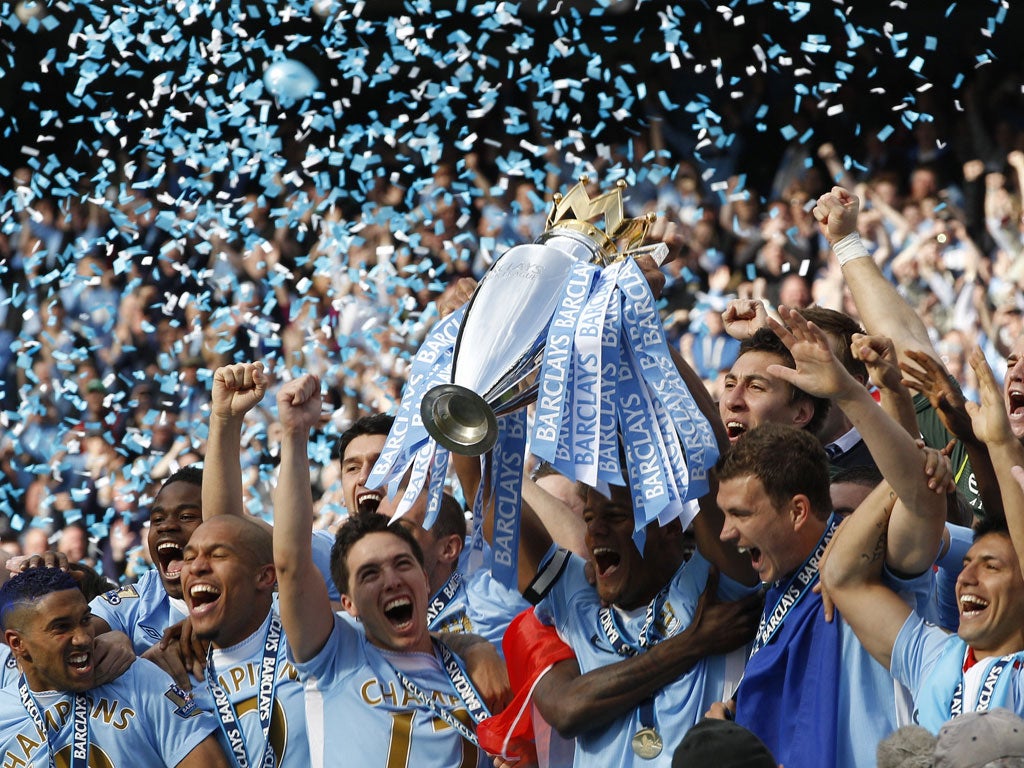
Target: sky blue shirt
<point x="359" y="714"/>
<point x="572" y="608"/>
<point x="929" y="661"/>
<point x="139" y="719"/>
<point x="483" y="606"/>
<point x="238" y="670"/>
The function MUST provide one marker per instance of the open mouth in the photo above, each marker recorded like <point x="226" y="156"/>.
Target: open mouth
<point x="1015" y="400"/>
<point x="734" y="429"/>
<point x="606" y="560"/>
<point x="367" y="502"/>
<point x="755" y="556"/>
<point x="971" y="606"/>
<point x="81" y="661"/>
<point x="170" y="558"/>
<point x="399" y="612"/>
<point x="203" y="596"/>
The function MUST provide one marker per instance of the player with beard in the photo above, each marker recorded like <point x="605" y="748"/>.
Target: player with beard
<point x="228" y="579"/>
<point x="774" y="491"/>
<point x="405" y="698"/>
<point x="57" y="715"/>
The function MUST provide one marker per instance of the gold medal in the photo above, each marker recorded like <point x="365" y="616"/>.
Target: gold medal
<point x="647" y="743"/>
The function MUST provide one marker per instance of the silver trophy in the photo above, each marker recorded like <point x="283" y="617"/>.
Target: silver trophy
<point x="501" y="340"/>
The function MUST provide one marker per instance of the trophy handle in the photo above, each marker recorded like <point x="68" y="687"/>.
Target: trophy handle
<point x="459" y="419"/>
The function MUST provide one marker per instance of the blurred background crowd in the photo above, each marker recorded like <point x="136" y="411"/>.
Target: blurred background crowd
<point x="130" y="271"/>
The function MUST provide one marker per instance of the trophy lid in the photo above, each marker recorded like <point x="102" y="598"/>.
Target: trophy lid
<point x="571" y="216"/>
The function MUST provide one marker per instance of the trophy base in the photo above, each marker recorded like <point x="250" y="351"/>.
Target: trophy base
<point x="459" y="419"/>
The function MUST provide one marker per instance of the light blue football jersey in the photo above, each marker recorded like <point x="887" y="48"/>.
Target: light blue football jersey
<point x="238" y="670"/>
<point x="572" y="607"/>
<point x="142" y="610"/>
<point x="359" y="713"/>
<point x="482" y="605"/>
<point x="139" y="719"/>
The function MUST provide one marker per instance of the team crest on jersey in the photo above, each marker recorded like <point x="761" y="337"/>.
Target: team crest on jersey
<point x="182" y="699"/>
<point x="115" y="596"/>
<point x="458" y="623"/>
<point x="669" y="620"/>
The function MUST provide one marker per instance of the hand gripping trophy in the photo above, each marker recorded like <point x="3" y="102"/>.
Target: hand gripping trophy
<point x="567" y="323"/>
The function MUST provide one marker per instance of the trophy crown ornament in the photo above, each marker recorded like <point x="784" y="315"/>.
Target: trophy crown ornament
<point x="576" y="211"/>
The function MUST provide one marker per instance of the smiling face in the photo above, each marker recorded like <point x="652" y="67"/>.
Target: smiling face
<point x="624" y="577"/>
<point x="990" y="593"/>
<point x="176" y="512"/>
<point x="53" y="642"/>
<point x="751" y="397"/>
<point x="387" y="591"/>
<point x="774" y="537"/>
<point x="360" y="456"/>
<point x="1013" y="388"/>
<point x="227" y="584"/>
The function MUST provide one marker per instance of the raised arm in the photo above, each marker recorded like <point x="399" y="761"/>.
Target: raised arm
<point x="852" y="574"/>
<point x="879" y="357"/>
<point x="882" y="309"/>
<point x="304" y="604"/>
<point x="236" y="391"/>
<point x="992" y="425"/>
<point x="915" y="536"/>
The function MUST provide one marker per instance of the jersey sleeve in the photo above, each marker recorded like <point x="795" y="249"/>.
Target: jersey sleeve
<point x="918" y="646"/>
<point x="335" y="659"/>
<point x="175" y="721"/>
<point x="119" y="608"/>
<point x="554" y="608"/>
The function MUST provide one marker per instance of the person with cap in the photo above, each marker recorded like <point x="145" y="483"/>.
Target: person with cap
<point x="724" y="744"/>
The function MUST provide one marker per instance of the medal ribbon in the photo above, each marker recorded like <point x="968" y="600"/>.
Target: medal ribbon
<point x="799" y="585"/>
<point x="443" y="598"/>
<point x="956" y="706"/>
<point x="648" y="636"/>
<point x="225" y="711"/>
<point x="463" y="687"/>
<point x="80" y="726"/>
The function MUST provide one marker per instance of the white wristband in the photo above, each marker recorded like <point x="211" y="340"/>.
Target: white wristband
<point x="849" y="248"/>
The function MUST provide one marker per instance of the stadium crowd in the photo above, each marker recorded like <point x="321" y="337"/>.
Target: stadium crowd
<point x="136" y="353"/>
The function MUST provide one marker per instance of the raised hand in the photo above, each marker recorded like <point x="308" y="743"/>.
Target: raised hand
<point x="455" y="295"/>
<point x="879" y="356"/>
<point x="929" y="378"/>
<point x="818" y="372"/>
<point x="989" y="419"/>
<point x="298" y="403"/>
<point x="743" y="317"/>
<point x="836" y="213"/>
<point x="237" y="389"/>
